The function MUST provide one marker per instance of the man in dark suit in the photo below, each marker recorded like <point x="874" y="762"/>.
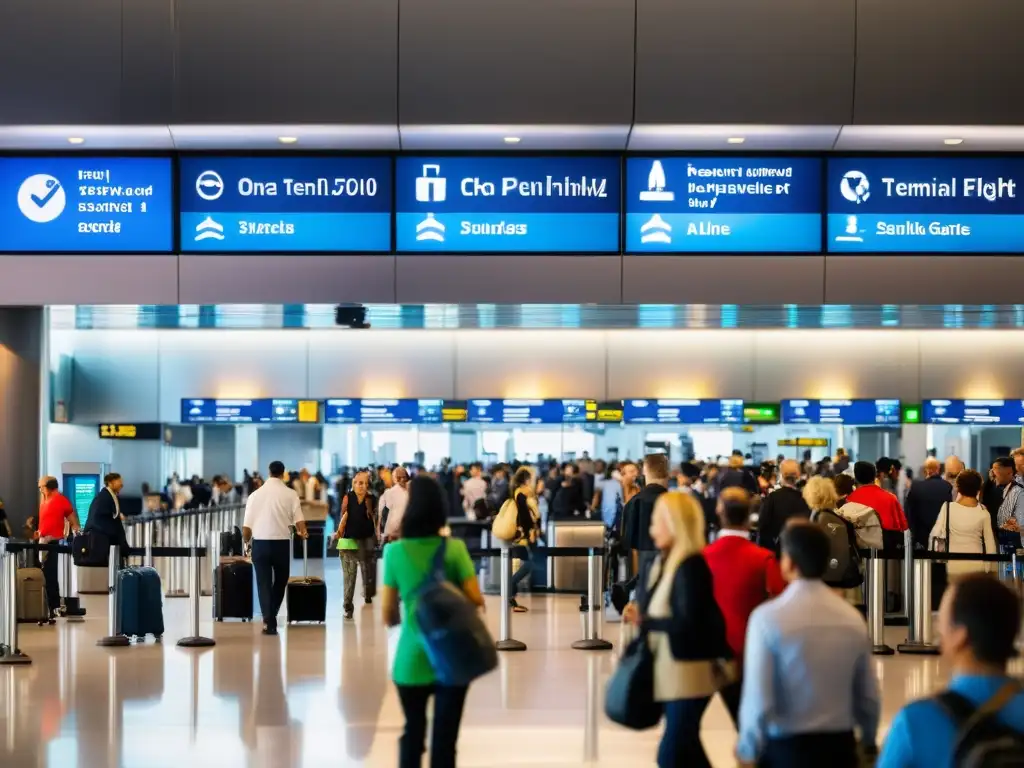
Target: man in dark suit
<point x="105" y="512"/>
<point x="925" y="501"/>
<point x="779" y="506"/>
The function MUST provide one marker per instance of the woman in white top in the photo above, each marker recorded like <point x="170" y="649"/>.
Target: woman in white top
<point x="970" y="526"/>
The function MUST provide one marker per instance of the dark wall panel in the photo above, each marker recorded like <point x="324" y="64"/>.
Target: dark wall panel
<point x="42" y="280"/>
<point x="956" y="62"/>
<point x="303" y="61"/>
<point x="147" y="85"/>
<point x="509" y="279"/>
<point x="516" y="61"/>
<point x="60" y="61"/>
<point x="268" y="279"/>
<point x="924" y="279"/>
<point x="744" y="61"/>
<point x="723" y="279"/>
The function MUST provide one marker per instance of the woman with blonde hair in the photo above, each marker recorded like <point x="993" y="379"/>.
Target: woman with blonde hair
<point x="677" y="610"/>
<point x="822" y="497"/>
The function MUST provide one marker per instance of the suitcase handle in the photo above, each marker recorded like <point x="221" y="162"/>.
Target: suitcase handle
<point x="305" y="557"/>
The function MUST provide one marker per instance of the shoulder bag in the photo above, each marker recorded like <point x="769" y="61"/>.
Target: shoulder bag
<point x="942" y="545"/>
<point x="629" y="698"/>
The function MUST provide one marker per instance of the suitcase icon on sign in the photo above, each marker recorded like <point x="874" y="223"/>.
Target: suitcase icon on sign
<point x="431" y="187"/>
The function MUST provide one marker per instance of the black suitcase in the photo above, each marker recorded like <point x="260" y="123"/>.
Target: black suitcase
<point x="232" y="590"/>
<point x="306" y="596"/>
<point x="231" y="544"/>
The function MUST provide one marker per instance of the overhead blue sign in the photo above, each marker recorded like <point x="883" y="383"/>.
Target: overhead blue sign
<point x="382" y="411"/>
<point x="852" y="412"/>
<point x="723" y="204"/>
<point x="285" y="204"/>
<point x="989" y="412"/>
<point x="223" y="411"/>
<point x="81" y="204"/>
<point x="508" y="203"/>
<point x="936" y="205"/>
<point x="682" y="411"/>
<point x="532" y="411"/>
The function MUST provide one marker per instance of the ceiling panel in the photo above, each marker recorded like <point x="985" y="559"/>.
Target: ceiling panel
<point x="924" y="279"/>
<point x="42" y="280"/>
<point x="937" y="63"/>
<point x="147" y="54"/>
<point x="516" y="61"/>
<point x="744" y="61"/>
<point x="305" y="61"/>
<point x="60" y="61"/>
<point x="732" y="138"/>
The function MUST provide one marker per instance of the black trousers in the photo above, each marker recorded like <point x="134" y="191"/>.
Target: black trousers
<point x="272" y="560"/>
<point x="812" y="750"/>
<point x="731" y="696"/>
<point x="448" y="704"/>
<point x="50" y="561"/>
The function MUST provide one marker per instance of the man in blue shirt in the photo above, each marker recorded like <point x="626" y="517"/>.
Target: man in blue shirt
<point x="807" y="673"/>
<point x="978" y="622"/>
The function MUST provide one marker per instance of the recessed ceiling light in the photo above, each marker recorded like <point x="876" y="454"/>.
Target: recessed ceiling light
<point x="288" y="139"/>
<point x="952" y="142"/>
<point x="512" y="139"/>
<point x="735" y="140"/>
<point x="76" y="140"/>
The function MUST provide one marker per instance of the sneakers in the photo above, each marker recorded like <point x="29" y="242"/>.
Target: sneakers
<point x="349" y="610"/>
<point x="367" y="601"/>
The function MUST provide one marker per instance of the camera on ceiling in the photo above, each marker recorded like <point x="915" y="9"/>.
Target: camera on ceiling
<point x="350" y="316"/>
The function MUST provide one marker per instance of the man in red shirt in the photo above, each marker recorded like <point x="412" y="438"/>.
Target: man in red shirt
<point x="744" y="575"/>
<point x="870" y="493"/>
<point x="54" y="511"/>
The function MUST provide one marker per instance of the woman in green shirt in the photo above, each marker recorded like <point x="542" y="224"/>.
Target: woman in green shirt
<point x="407" y="563"/>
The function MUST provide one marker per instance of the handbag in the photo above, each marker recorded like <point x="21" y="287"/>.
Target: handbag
<point x="90" y="549"/>
<point x="942" y="545"/>
<point x="629" y="697"/>
<point x="505" y="525"/>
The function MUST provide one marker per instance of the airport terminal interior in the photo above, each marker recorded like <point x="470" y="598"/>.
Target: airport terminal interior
<point x="339" y="245"/>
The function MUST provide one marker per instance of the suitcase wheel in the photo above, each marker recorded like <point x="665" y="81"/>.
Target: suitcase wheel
<point x="158" y="638"/>
<point x="220" y="619"/>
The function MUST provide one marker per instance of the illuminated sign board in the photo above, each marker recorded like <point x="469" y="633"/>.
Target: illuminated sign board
<point x="508" y="203"/>
<point x="519" y="411"/>
<point x="294" y="204"/>
<point x="732" y="203"/>
<point x="851" y="412"/>
<point x="147" y="431"/>
<point x="760" y="413"/>
<point x="80" y="204"/>
<point x="683" y="411"/>
<point x="988" y="412"/>
<point x="239" y="411"/>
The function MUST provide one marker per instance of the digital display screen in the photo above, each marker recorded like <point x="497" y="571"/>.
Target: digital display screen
<point x="761" y="413"/>
<point x="80" y="491"/>
<point x="508" y="204"/>
<point x="989" y="412"/>
<point x="609" y="411"/>
<point x="81" y="204"/>
<point x="384" y="411"/>
<point x="936" y="205"/>
<point x="853" y="412"/>
<point x="224" y="411"/>
<point x="532" y="411"/>
<point x="683" y="411"/>
<point x="146" y="431"/>
<point x="285" y="204"/>
<point x="723" y="204"/>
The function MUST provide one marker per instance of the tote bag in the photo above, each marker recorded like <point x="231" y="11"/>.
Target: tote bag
<point x="629" y="698"/>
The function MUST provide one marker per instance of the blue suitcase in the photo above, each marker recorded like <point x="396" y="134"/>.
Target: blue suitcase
<point x="140" y="608"/>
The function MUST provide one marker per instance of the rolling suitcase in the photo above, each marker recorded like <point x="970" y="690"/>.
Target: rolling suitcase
<point x="31" y="597"/>
<point x="306" y="596"/>
<point x="140" y="607"/>
<point x="232" y="590"/>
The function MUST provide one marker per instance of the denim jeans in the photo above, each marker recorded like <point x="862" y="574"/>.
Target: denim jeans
<point x="272" y="560"/>
<point x="680" y="744"/>
<point x="524" y="570"/>
<point x="448" y="704"/>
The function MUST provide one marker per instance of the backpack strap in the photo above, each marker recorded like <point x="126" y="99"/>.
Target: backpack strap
<point x="968" y="717"/>
<point x="437" y="566"/>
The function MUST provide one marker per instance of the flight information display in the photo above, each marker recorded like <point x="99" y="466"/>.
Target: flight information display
<point x="723" y="204"/>
<point x="990" y="412"/>
<point x="532" y="411"/>
<point x="223" y="411"/>
<point x="285" y="204"/>
<point x="852" y="412"/>
<point x="936" y="205"/>
<point x="384" y="411"/>
<point x="508" y="204"/>
<point x="81" y="204"/>
<point x="683" y="411"/>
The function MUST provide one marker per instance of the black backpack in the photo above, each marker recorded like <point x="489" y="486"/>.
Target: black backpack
<point x="982" y="741"/>
<point x="844" y="558"/>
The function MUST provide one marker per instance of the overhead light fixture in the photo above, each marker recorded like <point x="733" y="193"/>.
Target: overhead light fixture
<point x="512" y="139"/>
<point x="76" y="140"/>
<point x="288" y="139"/>
<point x="952" y="142"/>
<point x="735" y="140"/>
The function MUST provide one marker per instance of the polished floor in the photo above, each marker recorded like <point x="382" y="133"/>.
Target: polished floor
<point x="319" y="696"/>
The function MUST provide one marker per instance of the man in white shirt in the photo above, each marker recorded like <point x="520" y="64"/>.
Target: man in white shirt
<point x="474" y="489"/>
<point x="392" y="504"/>
<point x="270" y="513"/>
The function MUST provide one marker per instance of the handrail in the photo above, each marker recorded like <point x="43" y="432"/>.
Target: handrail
<point x="147" y="517"/>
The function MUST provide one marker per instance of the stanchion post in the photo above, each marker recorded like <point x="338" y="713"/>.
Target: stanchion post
<point x="505" y="641"/>
<point x="10" y="653"/>
<point x="147" y="532"/>
<point x="174" y="583"/>
<point x="919" y="628"/>
<point x="195" y="640"/>
<point x="875" y="597"/>
<point x="595" y="605"/>
<point x="114" y="637"/>
<point x="71" y="605"/>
